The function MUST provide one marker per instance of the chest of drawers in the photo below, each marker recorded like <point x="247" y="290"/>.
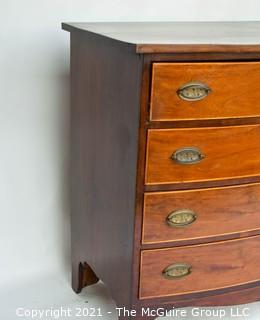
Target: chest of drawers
<point x="165" y="150"/>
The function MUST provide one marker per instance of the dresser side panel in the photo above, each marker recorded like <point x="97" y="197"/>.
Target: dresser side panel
<point x="105" y="94"/>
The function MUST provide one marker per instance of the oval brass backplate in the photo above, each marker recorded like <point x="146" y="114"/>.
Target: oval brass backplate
<point x="193" y="91"/>
<point x="187" y="155"/>
<point x="177" y="271"/>
<point x="181" y="218"/>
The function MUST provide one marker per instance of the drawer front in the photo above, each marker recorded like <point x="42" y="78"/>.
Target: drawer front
<point x="187" y="91"/>
<point x="197" y="268"/>
<point x="202" y="154"/>
<point x="203" y="213"/>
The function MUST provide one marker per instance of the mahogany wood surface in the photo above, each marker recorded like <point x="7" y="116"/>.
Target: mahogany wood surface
<point x="111" y="89"/>
<point x="140" y="181"/>
<point x="105" y="93"/>
<point x="221" y="212"/>
<point x="230" y="152"/>
<point x="225" y="297"/>
<point x="87" y="277"/>
<point x="230" y="298"/>
<point x="234" y="93"/>
<point x="201" y="123"/>
<point x="212" y="56"/>
<point x="214" y="266"/>
<point x="196" y="48"/>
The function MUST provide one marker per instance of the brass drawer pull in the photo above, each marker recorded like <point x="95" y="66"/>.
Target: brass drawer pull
<point x="187" y="155"/>
<point x="193" y="91"/>
<point x="181" y="218"/>
<point x="177" y="271"/>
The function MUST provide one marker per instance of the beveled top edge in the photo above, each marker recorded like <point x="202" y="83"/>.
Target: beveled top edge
<point x="177" y="37"/>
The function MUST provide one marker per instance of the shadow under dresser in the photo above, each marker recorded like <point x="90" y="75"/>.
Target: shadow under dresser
<point x="165" y="149"/>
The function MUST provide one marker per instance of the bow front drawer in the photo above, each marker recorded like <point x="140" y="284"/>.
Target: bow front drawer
<point x="215" y="90"/>
<point x="202" y="154"/>
<point x="201" y="214"/>
<point x="198" y="268"/>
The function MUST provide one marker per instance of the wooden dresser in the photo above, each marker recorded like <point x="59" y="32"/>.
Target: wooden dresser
<point x="166" y="162"/>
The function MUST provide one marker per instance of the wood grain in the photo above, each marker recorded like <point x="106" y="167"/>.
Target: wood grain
<point x="109" y="129"/>
<point x="218" y="215"/>
<point x="105" y="87"/>
<point x="140" y="179"/>
<point x="230" y="297"/>
<point x="235" y="90"/>
<point x="212" y="56"/>
<point x="201" y="123"/>
<point x="230" y="152"/>
<point x="87" y="277"/>
<point x="214" y="266"/>
<point x="197" y="48"/>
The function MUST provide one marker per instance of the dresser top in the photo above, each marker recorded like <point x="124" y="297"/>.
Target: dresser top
<point x="173" y="36"/>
